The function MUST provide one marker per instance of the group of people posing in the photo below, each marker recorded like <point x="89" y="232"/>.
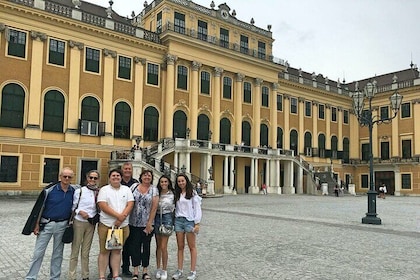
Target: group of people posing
<point x="139" y="208"/>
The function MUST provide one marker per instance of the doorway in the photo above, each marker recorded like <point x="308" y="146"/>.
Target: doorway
<point x="387" y="178"/>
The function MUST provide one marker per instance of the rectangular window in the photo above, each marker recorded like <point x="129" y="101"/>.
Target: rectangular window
<point x="182" y="77"/>
<point x="179" y="23"/>
<point x="159" y="23"/>
<point x="17" y="43"/>
<point x="308" y="108"/>
<point x="265" y="97"/>
<point x="9" y="169"/>
<point x="261" y="50"/>
<point x="51" y="170"/>
<point x="321" y="111"/>
<point x="92" y="60"/>
<point x="124" y="67"/>
<point x="279" y="102"/>
<point x="384" y="112"/>
<point x="202" y="30"/>
<point x="405" y="110"/>
<point x="56" y="52"/>
<point x="384" y="150"/>
<point x="365" y="181"/>
<point x="333" y="114"/>
<point x="205" y="82"/>
<point x="365" y="152"/>
<point x="244" y="44"/>
<point x="406" y="181"/>
<point x="247" y="92"/>
<point x="224" y="38"/>
<point x="346" y="116"/>
<point x="227" y="87"/>
<point x="293" y="105"/>
<point x="406" y="149"/>
<point x="152" y="74"/>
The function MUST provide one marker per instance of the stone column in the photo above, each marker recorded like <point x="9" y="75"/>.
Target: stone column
<point x="301" y="111"/>
<point x="108" y="95"/>
<point x="237" y="100"/>
<point x="226" y="185"/>
<point x="286" y="113"/>
<point x="273" y="116"/>
<point x="72" y="121"/>
<point x="416" y="116"/>
<point x="397" y="182"/>
<point x="216" y="104"/>
<point x="138" y="96"/>
<point x="257" y="112"/>
<point x="328" y="126"/>
<point x="288" y="187"/>
<point x="169" y="94"/>
<point x="193" y="119"/>
<point x="33" y="127"/>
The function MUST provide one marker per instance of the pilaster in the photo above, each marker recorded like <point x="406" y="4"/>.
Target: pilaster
<point x="107" y="102"/>
<point x="169" y="94"/>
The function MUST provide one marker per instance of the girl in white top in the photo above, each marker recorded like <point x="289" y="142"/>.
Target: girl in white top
<point x="85" y="201"/>
<point x="187" y="223"/>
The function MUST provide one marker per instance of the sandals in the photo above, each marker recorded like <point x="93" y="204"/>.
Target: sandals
<point x="146" y="276"/>
<point x="135" y="277"/>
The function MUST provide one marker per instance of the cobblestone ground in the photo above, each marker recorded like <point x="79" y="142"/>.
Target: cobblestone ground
<point x="266" y="237"/>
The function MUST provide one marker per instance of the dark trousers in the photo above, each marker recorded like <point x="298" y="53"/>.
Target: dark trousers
<point x="139" y="245"/>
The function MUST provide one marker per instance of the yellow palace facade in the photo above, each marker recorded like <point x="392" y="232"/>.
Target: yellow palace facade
<point x="184" y="88"/>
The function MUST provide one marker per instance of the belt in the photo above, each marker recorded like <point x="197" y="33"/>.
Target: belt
<point x="47" y="220"/>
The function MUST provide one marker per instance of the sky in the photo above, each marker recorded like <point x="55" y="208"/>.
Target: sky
<point x="339" y="39"/>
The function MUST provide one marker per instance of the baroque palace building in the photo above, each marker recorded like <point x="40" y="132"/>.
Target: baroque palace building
<point x="185" y="88"/>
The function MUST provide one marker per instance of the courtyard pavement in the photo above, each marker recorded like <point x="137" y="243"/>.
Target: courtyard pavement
<point x="265" y="237"/>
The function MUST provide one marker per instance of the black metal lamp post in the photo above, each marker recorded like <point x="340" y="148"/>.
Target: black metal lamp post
<point x="366" y="118"/>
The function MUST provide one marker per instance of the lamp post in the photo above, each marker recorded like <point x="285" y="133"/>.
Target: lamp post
<point x="234" y="182"/>
<point x="366" y="118"/>
<point x="183" y="169"/>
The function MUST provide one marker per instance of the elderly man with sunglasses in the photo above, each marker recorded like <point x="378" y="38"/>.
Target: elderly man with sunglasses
<point x="49" y="218"/>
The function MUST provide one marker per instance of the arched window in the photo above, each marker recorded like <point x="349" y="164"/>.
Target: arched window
<point x="321" y="145"/>
<point x="12" y="106"/>
<point x="151" y="124"/>
<point x="90" y="109"/>
<point x="246" y="133"/>
<point x="308" y="144"/>
<point x="264" y="135"/>
<point x="225" y="131"/>
<point x="294" y="141"/>
<point x="179" y="125"/>
<point x="346" y="150"/>
<point x="203" y="132"/>
<point x="53" y="111"/>
<point x="122" y="122"/>
<point x="279" y="138"/>
<point x="89" y="122"/>
<point x="334" y="147"/>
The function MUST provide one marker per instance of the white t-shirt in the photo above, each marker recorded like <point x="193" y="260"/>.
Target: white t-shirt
<point x="117" y="199"/>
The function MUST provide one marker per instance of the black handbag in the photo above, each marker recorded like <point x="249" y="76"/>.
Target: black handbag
<point x="69" y="232"/>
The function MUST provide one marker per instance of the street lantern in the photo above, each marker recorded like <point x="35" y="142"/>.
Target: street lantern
<point x="366" y="118"/>
<point x="183" y="169"/>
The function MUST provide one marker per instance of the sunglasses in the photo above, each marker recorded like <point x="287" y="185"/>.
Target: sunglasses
<point x="93" y="178"/>
<point x="67" y="177"/>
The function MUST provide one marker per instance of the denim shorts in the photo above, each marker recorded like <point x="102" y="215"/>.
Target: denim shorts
<point x="167" y="219"/>
<point x="183" y="225"/>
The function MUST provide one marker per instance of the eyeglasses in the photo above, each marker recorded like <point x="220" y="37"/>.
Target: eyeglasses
<point x="67" y="177"/>
<point x="93" y="178"/>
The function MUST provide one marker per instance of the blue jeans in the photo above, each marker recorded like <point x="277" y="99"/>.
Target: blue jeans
<point x="183" y="225"/>
<point x="55" y="230"/>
